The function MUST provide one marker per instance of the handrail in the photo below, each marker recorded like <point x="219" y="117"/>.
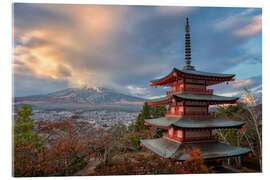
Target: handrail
<point x="190" y="114"/>
<point x="188" y="139"/>
<point x="193" y="90"/>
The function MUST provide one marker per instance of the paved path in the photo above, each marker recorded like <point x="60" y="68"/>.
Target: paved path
<point x="88" y="169"/>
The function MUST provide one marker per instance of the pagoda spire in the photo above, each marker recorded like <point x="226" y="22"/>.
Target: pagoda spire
<point x="188" y="48"/>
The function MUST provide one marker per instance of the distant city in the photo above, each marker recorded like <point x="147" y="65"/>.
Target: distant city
<point x="98" y="119"/>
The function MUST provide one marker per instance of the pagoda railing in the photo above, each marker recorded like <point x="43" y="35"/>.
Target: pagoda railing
<point x="169" y="114"/>
<point x="174" y="137"/>
<point x="206" y="91"/>
<point x="190" y="139"/>
<point x="191" y="90"/>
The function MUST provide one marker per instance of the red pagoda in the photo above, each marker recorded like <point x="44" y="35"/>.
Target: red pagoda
<point x="189" y="123"/>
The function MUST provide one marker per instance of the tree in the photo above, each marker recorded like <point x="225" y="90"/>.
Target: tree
<point x="24" y="127"/>
<point x="249" y="112"/>
<point x="135" y="164"/>
<point x="68" y="147"/>
<point x="158" y="111"/>
<point x="147" y="112"/>
<point x="254" y="121"/>
<point x="27" y="143"/>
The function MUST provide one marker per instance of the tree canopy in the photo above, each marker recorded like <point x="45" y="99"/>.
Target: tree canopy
<point x="24" y="127"/>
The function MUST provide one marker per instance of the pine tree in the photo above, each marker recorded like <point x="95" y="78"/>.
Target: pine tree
<point x="148" y="112"/>
<point x="158" y="111"/>
<point x="24" y="127"/>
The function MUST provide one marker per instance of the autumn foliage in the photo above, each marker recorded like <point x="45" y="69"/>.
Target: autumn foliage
<point x="149" y="163"/>
<point x="64" y="152"/>
<point x="66" y="147"/>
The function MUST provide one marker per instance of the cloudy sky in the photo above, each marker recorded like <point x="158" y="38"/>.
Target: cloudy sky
<point x="124" y="47"/>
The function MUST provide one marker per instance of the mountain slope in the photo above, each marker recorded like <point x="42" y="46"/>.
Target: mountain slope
<point x="99" y="96"/>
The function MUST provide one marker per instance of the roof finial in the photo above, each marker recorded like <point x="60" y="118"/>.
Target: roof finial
<point x="187" y="48"/>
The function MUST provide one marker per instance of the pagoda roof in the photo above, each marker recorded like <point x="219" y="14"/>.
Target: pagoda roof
<point x="209" y="149"/>
<point x="195" y="97"/>
<point x="205" y="74"/>
<point x="194" y="122"/>
<point x="196" y="73"/>
<point x="204" y="97"/>
<point x="165" y="98"/>
<point x="163" y="121"/>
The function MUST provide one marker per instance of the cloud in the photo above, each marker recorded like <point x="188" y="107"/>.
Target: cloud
<point x="236" y="88"/>
<point x="64" y="51"/>
<point x="174" y="10"/>
<point x="87" y="45"/>
<point x="136" y="90"/>
<point x="240" y="24"/>
<point x="242" y="83"/>
<point x="254" y="27"/>
<point x="118" y="46"/>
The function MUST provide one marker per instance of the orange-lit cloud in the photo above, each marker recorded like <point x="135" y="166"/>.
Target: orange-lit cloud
<point x="241" y="24"/>
<point x="254" y="27"/>
<point x="83" y="44"/>
<point x="242" y="83"/>
<point x="57" y="51"/>
<point x="118" y="47"/>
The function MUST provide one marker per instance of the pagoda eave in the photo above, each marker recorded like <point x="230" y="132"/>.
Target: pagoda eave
<point x="155" y="126"/>
<point x="209" y="149"/>
<point x="199" y="122"/>
<point x="159" y="103"/>
<point x="209" y="99"/>
<point x="176" y="74"/>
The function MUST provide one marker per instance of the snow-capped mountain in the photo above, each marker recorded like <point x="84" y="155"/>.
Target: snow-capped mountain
<point x="91" y="96"/>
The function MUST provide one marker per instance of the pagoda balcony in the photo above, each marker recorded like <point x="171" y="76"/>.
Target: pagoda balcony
<point x="190" y="90"/>
<point x="209" y="138"/>
<point x="169" y="114"/>
<point x="172" y="138"/>
<point x="189" y="139"/>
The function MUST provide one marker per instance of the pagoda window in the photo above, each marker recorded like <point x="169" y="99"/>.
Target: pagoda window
<point x="171" y="132"/>
<point x="181" y="109"/>
<point x="181" y="86"/>
<point x="179" y="133"/>
<point x="172" y="110"/>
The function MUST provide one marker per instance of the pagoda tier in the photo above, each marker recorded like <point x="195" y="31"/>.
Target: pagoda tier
<point x="193" y="99"/>
<point x="192" y="76"/>
<point x="190" y="122"/>
<point x="209" y="149"/>
<point x="187" y="129"/>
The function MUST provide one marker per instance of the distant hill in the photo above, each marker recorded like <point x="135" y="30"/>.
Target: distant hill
<point x="81" y="96"/>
